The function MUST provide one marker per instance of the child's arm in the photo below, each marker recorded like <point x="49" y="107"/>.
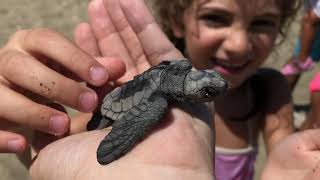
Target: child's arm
<point x="278" y="121"/>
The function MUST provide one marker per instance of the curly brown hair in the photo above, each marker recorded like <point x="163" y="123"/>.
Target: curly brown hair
<point x="168" y="10"/>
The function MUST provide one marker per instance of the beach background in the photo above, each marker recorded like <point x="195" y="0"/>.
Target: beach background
<point x="63" y="15"/>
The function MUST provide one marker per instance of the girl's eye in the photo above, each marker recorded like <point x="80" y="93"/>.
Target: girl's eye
<point x="212" y="20"/>
<point x="264" y="25"/>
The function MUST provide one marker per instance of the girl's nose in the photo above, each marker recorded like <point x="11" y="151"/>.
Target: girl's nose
<point x="238" y="44"/>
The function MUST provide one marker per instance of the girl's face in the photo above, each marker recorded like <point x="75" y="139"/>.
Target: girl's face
<point x="234" y="37"/>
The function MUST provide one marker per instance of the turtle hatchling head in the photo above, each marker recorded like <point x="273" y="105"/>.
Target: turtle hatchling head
<point x="203" y="86"/>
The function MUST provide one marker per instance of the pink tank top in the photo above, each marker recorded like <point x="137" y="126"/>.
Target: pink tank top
<point x="235" y="164"/>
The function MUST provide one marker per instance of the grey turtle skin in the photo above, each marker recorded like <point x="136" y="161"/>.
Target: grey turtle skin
<point x="136" y="107"/>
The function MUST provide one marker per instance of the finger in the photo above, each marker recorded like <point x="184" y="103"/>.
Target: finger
<point x="56" y="47"/>
<point x="128" y="36"/>
<point x="28" y="73"/>
<point x="148" y="32"/>
<point x="18" y="109"/>
<point x="116" y="67"/>
<point x="11" y="142"/>
<point x="108" y="37"/>
<point x="116" y="70"/>
<point x="79" y="123"/>
<point x="84" y="38"/>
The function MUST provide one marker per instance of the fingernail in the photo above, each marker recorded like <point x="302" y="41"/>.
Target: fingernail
<point x="59" y="124"/>
<point x="98" y="74"/>
<point x="88" y="101"/>
<point x="15" y="145"/>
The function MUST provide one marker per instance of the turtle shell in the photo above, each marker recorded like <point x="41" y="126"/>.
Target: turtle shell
<point x="131" y="96"/>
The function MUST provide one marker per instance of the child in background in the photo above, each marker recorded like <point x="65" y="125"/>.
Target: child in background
<point x="306" y="52"/>
<point x="235" y="38"/>
<point x="307" y="49"/>
<point x="313" y="117"/>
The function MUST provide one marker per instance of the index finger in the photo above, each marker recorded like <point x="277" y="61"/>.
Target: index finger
<point x="46" y="43"/>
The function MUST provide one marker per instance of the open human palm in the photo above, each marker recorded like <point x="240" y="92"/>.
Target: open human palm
<point x="174" y="150"/>
<point x="181" y="147"/>
<point x="295" y="157"/>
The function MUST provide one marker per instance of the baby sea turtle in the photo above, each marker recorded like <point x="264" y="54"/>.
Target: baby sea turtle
<point x="136" y="107"/>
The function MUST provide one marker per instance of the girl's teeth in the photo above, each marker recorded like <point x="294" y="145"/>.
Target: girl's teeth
<point x="230" y="65"/>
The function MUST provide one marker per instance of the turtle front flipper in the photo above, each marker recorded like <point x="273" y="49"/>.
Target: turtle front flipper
<point x="131" y="129"/>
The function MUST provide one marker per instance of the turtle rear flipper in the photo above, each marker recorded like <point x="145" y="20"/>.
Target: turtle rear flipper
<point x="127" y="132"/>
<point x="98" y="122"/>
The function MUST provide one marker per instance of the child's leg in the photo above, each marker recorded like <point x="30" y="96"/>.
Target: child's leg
<point x="308" y="31"/>
<point x="307" y="49"/>
<point x="313" y="117"/>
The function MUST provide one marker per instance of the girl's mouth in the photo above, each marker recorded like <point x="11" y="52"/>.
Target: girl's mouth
<point x="227" y="68"/>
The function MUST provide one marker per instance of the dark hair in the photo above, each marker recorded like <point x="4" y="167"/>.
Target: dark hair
<point x="168" y="10"/>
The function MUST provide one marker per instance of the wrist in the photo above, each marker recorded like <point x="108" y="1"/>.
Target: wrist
<point x="271" y="171"/>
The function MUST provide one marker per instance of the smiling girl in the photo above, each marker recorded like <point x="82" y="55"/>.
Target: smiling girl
<point x="235" y="37"/>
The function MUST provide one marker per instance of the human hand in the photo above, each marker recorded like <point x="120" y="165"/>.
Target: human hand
<point x="125" y="29"/>
<point x="39" y="67"/>
<point x="297" y="157"/>
<point x="114" y="33"/>
<point x="180" y="148"/>
<point x="110" y="35"/>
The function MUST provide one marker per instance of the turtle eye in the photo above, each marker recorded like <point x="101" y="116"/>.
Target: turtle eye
<point x="208" y="92"/>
